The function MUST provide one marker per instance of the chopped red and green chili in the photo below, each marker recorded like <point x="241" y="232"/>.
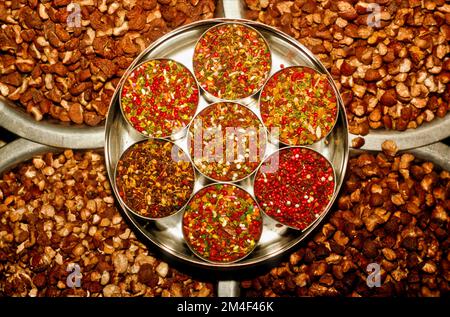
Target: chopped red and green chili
<point x="222" y="223"/>
<point x="298" y="190"/>
<point x="159" y="97"/>
<point x="301" y="103"/>
<point x="232" y="61"/>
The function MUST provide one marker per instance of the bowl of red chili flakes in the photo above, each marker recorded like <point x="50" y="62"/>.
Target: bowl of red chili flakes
<point x="294" y="186"/>
<point x="222" y="223"/>
<point x="301" y="103"/>
<point x="154" y="178"/>
<point x="227" y="141"/>
<point x="159" y="98"/>
<point x="232" y="61"/>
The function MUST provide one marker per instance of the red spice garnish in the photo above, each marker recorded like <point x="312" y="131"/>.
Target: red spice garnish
<point x="300" y="188"/>
<point x="232" y="61"/>
<point x="159" y="97"/>
<point x="301" y="103"/>
<point x="222" y="223"/>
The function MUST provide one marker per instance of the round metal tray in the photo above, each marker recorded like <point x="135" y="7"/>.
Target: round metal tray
<point x="427" y="133"/>
<point x="167" y="233"/>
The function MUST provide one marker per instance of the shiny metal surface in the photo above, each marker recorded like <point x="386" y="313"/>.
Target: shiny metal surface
<point x="53" y="133"/>
<point x="228" y="289"/>
<point x="19" y="151"/>
<point x="167" y="233"/>
<point x="427" y="133"/>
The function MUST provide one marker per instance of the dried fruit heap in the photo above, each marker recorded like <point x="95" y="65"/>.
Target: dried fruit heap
<point x="301" y="103"/>
<point x="227" y="141"/>
<point x="59" y="209"/>
<point x="298" y="189"/>
<point x="159" y="97"/>
<point x="393" y="211"/>
<point x="69" y="72"/>
<point x="392" y="73"/>
<point x="222" y="223"/>
<point x="232" y="61"/>
<point x="151" y="182"/>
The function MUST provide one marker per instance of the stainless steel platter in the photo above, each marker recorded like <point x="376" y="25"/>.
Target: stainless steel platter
<point x="427" y="133"/>
<point x="167" y="233"/>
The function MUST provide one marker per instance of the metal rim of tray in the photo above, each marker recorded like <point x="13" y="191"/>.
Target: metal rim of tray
<point x="164" y="234"/>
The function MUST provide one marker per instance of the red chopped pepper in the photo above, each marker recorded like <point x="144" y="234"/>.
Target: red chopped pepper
<point x="159" y="97"/>
<point x="300" y="189"/>
<point x="222" y="223"/>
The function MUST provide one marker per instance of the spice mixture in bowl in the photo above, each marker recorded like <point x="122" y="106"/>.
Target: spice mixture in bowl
<point x="227" y="141"/>
<point x="222" y="223"/>
<point x="154" y="178"/>
<point x="232" y="61"/>
<point x="301" y="103"/>
<point x="294" y="186"/>
<point x="159" y="97"/>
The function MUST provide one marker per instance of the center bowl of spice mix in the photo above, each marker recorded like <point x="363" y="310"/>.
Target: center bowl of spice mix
<point x="227" y="141"/>
<point x="159" y="97"/>
<point x="232" y="61"/>
<point x="154" y="178"/>
<point x="295" y="186"/>
<point x="300" y="103"/>
<point x="222" y="223"/>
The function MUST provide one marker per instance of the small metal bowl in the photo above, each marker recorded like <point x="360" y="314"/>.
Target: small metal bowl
<point x="317" y="216"/>
<point x="122" y="201"/>
<point x="244" y="100"/>
<point x="261" y="155"/>
<point x="275" y="139"/>
<point x="175" y="135"/>
<point x="256" y="239"/>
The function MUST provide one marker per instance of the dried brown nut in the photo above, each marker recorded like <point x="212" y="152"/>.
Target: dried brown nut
<point x="358" y="142"/>
<point x="389" y="147"/>
<point x="389" y="98"/>
<point x="347" y="69"/>
<point x="76" y="113"/>
<point x="372" y="75"/>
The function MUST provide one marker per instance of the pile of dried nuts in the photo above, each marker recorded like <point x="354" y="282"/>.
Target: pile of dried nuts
<point x="64" y="58"/>
<point x="394" y="212"/>
<point x="58" y="225"/>
<point x="393" y="72"/>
